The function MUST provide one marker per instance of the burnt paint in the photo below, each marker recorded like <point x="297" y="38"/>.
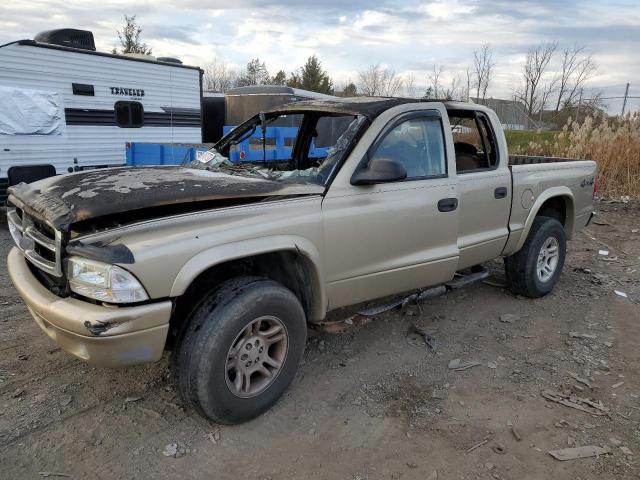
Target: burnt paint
<point x="102" y="252"/>
<point x="67" y="199"/>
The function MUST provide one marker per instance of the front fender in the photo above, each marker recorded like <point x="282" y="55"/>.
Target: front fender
<point x="560" y="191"/>
<point x="256" y="246"/>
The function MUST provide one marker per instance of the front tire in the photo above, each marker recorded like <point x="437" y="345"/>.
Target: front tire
<point x="241" y="349"/>
<point x="534" y="270"/>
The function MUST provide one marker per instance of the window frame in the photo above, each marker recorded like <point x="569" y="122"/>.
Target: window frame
<point x="129" y="104"/>
<point x="483" y="120"/>
<point x="478" y="117"/>
<point x="403" y="117"/>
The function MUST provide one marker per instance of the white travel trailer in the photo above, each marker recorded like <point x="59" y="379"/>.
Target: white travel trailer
<point x="66" y="107"/>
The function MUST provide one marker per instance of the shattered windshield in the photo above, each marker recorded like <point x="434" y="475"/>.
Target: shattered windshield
<point x="299" y="148"/>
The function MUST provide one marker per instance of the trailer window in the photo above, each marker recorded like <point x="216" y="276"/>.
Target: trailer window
<point x="129" y="114"/>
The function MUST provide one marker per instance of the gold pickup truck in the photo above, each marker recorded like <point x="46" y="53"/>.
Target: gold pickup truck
<point x="226" y="263"/>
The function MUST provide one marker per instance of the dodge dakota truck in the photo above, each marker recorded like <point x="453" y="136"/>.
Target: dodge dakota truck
<point x="225" y="264"/>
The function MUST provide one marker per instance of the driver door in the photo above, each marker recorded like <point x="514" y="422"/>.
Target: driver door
<point x="392" y="237"/>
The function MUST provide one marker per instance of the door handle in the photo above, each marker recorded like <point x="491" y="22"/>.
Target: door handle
<point x="500" y="192"/>
<point x="448" y="204"/>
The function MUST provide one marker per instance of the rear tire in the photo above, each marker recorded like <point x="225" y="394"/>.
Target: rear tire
<point x="241" y="349"/>
<point x="534" y="270"/>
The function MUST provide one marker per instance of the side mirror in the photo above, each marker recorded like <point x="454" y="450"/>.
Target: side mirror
<point x="379" y="170"/>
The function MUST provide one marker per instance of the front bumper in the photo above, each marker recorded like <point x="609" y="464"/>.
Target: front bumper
<point x="100" y="335"/>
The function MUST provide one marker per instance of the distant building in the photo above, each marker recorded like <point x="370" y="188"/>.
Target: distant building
<point x="512" y="114"/>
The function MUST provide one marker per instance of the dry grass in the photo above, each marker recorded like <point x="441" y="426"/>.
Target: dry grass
<point x="614" y="143"/>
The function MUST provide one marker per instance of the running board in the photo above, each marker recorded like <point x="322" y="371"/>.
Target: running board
<point x="462" y="280"/>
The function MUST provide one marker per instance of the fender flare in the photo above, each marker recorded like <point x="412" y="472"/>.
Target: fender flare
<point x="560" y="191"/>
<point x="257" y="246"/>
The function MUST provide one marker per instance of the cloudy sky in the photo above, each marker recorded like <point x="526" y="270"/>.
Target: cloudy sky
<point x="349" y="35"/>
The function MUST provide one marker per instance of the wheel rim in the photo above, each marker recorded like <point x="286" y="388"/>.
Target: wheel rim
<point x="256" y="356"/>
<point x="548" y="259"/>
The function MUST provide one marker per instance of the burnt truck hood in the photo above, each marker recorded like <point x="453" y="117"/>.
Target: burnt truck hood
<point x="64" y="200"/>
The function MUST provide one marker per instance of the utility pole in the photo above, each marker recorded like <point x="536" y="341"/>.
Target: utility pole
<point x="579" y="105"/>
<point x="624" y="102"/>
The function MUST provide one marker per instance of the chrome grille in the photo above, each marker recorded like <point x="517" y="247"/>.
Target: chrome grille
<point x="39" y="245"/>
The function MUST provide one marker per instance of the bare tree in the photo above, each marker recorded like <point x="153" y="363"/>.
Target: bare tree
<point x="534" y="69"/>
<point x="219" y="77"/>
<point x="410" y="88"/>
<point x="434" y="81"/>
<point x="483" y="70"/>
<point x="369" y="82"/>
<point x="439" y="88"/>
<point x="467" y="91"/>
<point x="577" y="68"/>
<point x="378" y="81"/>
<point x="546" y="91"/>
<point x="454" y="90"/>
<point x="392" y="83"/>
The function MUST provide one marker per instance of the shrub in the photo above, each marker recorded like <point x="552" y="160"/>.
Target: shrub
<point x="613" y="143"/>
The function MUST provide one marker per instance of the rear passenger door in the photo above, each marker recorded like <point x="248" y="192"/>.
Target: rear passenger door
<point x="484" y="183"/>
<point x="392" y="237"/>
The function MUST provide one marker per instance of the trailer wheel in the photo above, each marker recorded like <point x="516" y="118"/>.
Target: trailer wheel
<point x="241" y="349"/>
<point x="534" y="270"/>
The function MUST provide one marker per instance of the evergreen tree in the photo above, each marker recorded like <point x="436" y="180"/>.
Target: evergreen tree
<point x="311" y="77"/>
<point x="130" y="41"/>
<point x="255" y="74"/>
<point x="350" y="90"/>
<point x="280" y="78"/>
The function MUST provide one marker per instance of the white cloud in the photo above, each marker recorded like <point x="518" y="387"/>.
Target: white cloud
<point x="349" y="36"/>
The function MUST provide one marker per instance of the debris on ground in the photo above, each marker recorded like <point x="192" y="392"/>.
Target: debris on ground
<point x="429" y="339"/>
<point x="150" y="412"/>
<point x="173" y="450"/>
<point x="131" y="399"/>
<point x="458" y="365"/>
<point x="492" y="365"/>
<point x="579" y="452"/>
<point x="53" y="474"/>
<point x="499" y="449"/>
<point x="514" y="431"/>
<point x="579" y="379"/>
<point x="214" y="437"/>
<point x="626" y="450"/>
<point x="511" y="317"/>
<point x="569" y="399"/>
<point x="66" y="400"/>
<point x="604" y="253"/>
<point x="616" y="385"/>
<point x="615" y="442"/>
<point x="17" y="393"/>
<point x="341" y="326"/>
<point x="477" y="445"/>
<point x="582" y="335"/>
<point x="620" y="294"/>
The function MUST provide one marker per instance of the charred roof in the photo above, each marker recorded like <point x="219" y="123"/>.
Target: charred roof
<point x="369" y="107"/>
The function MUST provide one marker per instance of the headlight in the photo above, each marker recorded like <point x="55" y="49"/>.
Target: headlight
<point x="104" y="282"/>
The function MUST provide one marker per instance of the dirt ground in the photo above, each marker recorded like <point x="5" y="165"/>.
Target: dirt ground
<point x="372" y="402"/>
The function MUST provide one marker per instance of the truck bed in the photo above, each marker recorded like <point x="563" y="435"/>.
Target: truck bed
<point x="534" y="159"/>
